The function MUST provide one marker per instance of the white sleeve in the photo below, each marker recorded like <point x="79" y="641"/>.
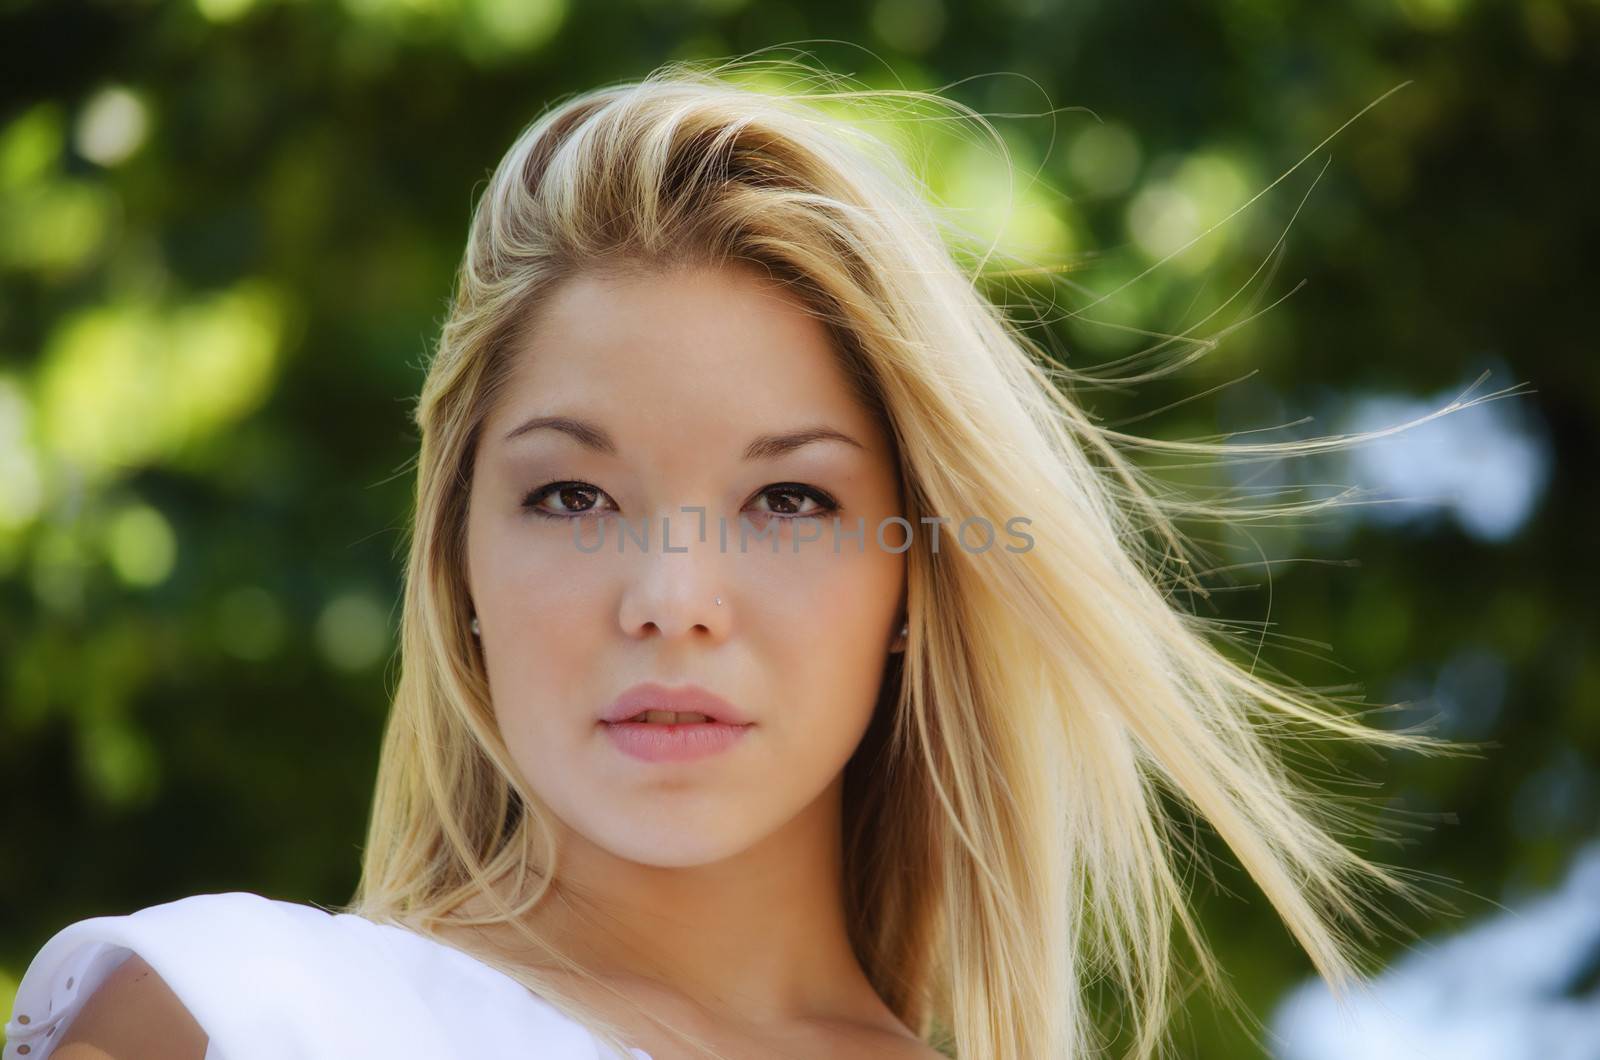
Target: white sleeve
<point x="265" y="979"/>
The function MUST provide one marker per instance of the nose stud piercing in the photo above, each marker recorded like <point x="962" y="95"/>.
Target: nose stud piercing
<point x="719" y="601"/>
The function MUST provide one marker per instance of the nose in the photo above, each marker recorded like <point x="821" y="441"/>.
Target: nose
<point x="675" y="586"/>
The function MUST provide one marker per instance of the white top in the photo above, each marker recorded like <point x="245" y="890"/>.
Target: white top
<point x="275" y="980"/>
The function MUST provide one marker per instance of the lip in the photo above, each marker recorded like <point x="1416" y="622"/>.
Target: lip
<point x="688" y="699"/>
<point x="654" y="742"/>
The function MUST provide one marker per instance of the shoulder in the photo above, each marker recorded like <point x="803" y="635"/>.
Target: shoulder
<point x="256" y="976"/>
<point x="105" y="985"/>
<point x="247" y="977"/>
<point x="134" y="1015"/>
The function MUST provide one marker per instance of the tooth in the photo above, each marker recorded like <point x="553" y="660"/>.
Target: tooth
<point x="667" y="717"/>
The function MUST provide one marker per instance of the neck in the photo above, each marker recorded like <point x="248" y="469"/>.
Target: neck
<point x="759" y="937"/>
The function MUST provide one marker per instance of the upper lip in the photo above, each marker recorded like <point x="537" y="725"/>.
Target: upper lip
<point x="686" y="699"/>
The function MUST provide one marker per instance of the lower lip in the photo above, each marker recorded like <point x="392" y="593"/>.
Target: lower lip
<point x="673" y="743"/>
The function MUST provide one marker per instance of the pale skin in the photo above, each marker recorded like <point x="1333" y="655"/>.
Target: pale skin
<point x="708" y="893"/>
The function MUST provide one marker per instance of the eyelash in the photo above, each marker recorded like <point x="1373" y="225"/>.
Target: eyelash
<point x="827" y="504"/>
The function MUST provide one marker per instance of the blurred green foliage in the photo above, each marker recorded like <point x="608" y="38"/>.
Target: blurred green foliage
<point x="227" y="235"/>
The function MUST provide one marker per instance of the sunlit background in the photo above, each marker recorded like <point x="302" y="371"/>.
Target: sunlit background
<point x="227" y="235"/>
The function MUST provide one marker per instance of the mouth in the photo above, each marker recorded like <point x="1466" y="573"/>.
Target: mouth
<point x="673" y="740"/>
<point x="665" y="717"/>
<point x="653" y="723"/>
<point x="657" y="705"/>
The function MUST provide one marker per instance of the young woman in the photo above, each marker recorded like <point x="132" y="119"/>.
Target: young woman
<point x="791" y="667"/>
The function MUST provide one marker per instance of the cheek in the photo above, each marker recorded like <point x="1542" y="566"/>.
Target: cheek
<point x="827" y="643"/>
<point x="541" y="612"/>
<point x="528" y="575"/>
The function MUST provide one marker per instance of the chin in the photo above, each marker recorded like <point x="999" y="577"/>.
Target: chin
<point x="664" y="856"/>
<point x="681" y="844"/>
<point x="658" y="826"/>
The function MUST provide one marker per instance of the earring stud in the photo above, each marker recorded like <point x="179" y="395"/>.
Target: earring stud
<point x="476" y="629"/>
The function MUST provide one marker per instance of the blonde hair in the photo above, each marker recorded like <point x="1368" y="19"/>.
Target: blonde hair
<point x="1014" y="817"/>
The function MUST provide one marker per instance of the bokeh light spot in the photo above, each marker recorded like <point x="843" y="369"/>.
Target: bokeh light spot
<point x="112" y="127"/>
<point x="1103" y="159"/>
<point x="352" y="632"/>
<point x="141" y="546"/>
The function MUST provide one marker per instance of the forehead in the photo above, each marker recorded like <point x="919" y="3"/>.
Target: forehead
<point x="697" y="350"/>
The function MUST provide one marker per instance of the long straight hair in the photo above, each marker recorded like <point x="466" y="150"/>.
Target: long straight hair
<point x="1018" y="817"/>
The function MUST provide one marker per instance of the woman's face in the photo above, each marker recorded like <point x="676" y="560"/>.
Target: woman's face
<point x="674" y="376"/>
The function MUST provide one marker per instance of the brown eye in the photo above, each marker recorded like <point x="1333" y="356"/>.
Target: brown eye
<point x="574" y="499"/>
<point x="787" y="500"/>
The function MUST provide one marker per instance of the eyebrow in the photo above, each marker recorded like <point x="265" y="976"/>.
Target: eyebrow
<point x="766" y="447"/>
